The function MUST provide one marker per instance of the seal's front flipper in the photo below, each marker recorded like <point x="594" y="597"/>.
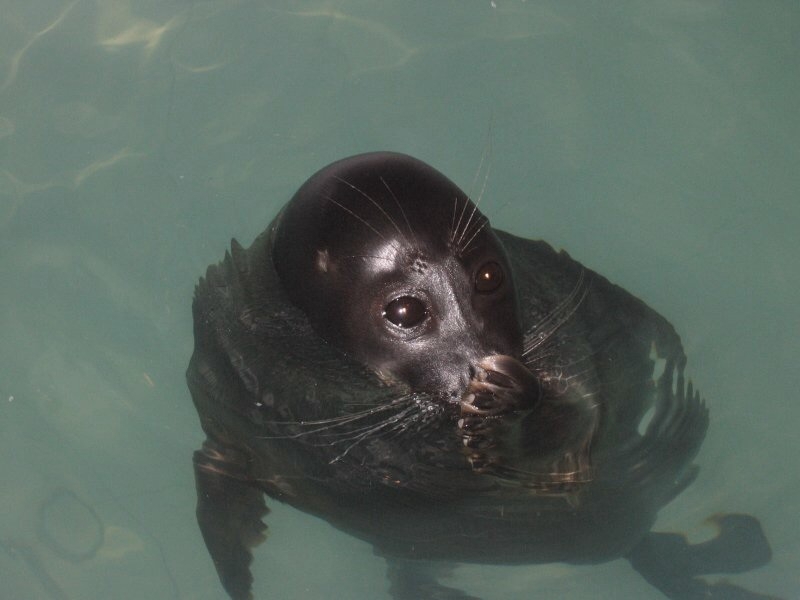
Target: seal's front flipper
<point x="416" y="580"/>
<point x="229" y="512"/>
<point x="670" y="563"/>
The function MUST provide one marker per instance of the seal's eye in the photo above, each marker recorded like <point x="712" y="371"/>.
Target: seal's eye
<point x="489" y="277"/>
<point x="405" y="311"/>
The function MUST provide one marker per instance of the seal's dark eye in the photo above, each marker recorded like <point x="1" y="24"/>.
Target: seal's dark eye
<point x="489" y="277"/>
<point x="405" y="311"/>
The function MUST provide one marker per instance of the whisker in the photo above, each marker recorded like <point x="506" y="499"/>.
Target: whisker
<point x="461" y="216"/>
<point x="358" y="432"/>
<point x="366" y="434"/>
<point x="346" y="417"/>
<point x="475" y="206"/>
<point x="310" y="432"/>
<point x="553" y="321"/>
<point x="344" y="208"/>
<point x="375" y="204"/>
<point x="332" y="423"/>
<point x="487" y="152"/>
<point x="453" y="221"/>
<point x="402" y="211"/>
<point x="462" y="249"/>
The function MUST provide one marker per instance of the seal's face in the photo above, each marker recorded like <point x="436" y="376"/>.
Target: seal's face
<point x="395" y="266"/>
<point x="429" y="317"/>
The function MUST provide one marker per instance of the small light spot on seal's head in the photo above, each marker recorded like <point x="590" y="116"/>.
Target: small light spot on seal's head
<point x="323" y="260"/>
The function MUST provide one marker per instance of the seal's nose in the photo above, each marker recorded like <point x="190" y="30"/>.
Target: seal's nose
<point x="475" y="372"/>
<point x="454" y="372"/>
<point x="458" y="382"/>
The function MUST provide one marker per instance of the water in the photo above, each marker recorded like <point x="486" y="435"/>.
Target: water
<point x="655" y="140"/>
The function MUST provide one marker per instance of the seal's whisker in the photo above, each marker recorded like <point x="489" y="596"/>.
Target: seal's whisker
<point x="567" y="301"/>
<point x="561" y="375"/>
<point x="484" y="156"/>
<point x="366" y="434"/>
<point x="547" y="369"/>
<point x="466" y="224"/>
<point x="462" y="250"/>
<point x="405" y="399"/>
<point x="374" y="203"/>
<point x="311" y="432"/>
<point x="539" y="364"/>
<point x="351" y="434"/>
<point x="468" y="251"/>
<point x="460" y="218"/>
<point x="452" y="233"/>
<point x="330" y="427"/>
<point x="342" y="419"/>
<point x="486" y="153"/>
<point x="357" y="434"/>
<point x="550" y="350"/>
<point x="402" y="211"/>
<point x="557" y="317"/>
<point x="569" y="380"/>
<point x="354" y="215"/>
<point x="577" y="375"/>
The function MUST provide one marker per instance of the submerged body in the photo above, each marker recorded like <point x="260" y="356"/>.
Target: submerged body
<point x="382" y="358"/>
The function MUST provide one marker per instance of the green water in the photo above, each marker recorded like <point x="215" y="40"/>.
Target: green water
<point x="655" y="140"/>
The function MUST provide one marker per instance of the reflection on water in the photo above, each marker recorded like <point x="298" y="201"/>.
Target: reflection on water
<point x="656" y="141"/>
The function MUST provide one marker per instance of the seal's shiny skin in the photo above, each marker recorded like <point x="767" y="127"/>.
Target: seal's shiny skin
<point x="382" y="358"/>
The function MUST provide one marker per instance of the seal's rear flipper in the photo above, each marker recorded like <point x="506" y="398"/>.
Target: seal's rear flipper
<point x="416" y="579"/>
<point x="670" y="563"/>
<point x="229" y="512"/>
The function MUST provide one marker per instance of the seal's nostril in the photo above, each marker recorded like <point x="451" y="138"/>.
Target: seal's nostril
<point x="471" y="372"/>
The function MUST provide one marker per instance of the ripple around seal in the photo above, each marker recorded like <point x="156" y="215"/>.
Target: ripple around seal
<point x="70" y="527"/>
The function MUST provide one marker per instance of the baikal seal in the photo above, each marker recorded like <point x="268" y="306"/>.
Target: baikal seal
<point x="382" y="358"/>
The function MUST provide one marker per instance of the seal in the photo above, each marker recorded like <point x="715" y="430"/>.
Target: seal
<point x="381" y="357"/>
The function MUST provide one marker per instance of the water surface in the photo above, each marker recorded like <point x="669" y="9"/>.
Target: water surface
<point x="655" y="140"/>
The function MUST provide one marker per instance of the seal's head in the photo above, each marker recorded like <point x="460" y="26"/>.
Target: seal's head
<point x="395" y="266"/>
